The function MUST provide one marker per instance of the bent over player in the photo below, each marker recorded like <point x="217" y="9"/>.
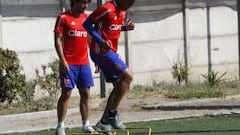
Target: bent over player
<point x="105" y="25"/>
<point x="71" y="46"/>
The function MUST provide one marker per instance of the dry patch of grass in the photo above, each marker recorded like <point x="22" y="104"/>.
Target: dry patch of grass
<point x="192" y="90"/>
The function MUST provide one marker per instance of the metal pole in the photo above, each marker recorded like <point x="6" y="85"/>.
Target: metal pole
<point x="238" y="7"/>
<point x="1" y="39"/>
<point x="100" y="2"/>
<point x="62" y="5"/>
<point x="102" y="79"/>
<point x="209" y="41"/>
<point x="126" y="44"/>
<point x="185" y="34"/>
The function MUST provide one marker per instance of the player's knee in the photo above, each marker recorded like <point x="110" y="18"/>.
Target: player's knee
<point x="85" y="99"/>
<point x="66" y="94"/>
<point x="128" y="76"/>
<point x="85" y="96"/>
<point x="84" y="93"/>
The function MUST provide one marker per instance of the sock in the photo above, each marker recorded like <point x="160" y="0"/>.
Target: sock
<point x="60" y="124"/>
<point x="85" y="123"/>
<point x="103" y="121"/>
<point x="105" y="117"/>
<point x="112" y="113"/>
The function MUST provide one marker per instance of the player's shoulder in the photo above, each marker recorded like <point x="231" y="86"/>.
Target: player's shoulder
<point x="85" y="15"/>
<point x="109" y="5"/>
<point x="64" y="14"/>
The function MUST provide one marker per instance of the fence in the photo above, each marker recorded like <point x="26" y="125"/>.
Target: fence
<point x="200" y="33"/>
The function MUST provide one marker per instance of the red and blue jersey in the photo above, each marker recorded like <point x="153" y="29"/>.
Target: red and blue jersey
<point x="74" y="37"/>
<point x="108" y="20"/>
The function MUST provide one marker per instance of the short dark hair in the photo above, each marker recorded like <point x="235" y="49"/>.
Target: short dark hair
<point x="131" y="2"/>
<point x="71" y="2"/>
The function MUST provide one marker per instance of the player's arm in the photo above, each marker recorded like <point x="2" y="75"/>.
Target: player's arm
<point x="97" y="69"/>
<point x="58" y="41"/>
<point x="89" y="26"/>
<point x="129" y="25"/>
<point x="89" y="40"/>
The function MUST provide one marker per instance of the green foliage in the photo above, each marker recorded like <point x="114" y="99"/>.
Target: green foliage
<point x="15" y="88"/>
<point x="48" y="81"/>
<point x="12" y="81"/>
<point x="213" y="79"/>
<point x="234" y="84"/>
<point x="28" y="94"/>
<point x="180" y="72"/>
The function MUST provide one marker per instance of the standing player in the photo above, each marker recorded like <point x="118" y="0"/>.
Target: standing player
<point x="71" y="46"/>
<point x="105" y="25"/>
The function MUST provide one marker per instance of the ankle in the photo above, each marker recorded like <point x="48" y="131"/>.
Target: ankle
<point x="103" y="121"/>
<point x="60" y="124"/>
<point x="112" y="113"/>
<point x="85" y="123"/>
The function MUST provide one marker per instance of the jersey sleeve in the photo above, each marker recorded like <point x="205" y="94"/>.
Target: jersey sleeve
<point x="59" y="25"/>
<point x="99" y="14"/>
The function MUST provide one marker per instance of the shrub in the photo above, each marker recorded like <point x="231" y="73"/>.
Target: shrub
<point x="180" y="73"/>
<point x="48" y="80"/>
<point x="15" y="88"/>
<point x="12" y="81"/>
<point x="213" y="79"/>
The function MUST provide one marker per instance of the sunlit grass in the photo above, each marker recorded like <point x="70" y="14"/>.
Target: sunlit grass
<point x="189" y="91"/>
<point x="204" y="125"/>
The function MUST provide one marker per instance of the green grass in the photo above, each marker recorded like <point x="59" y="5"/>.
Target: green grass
<point x="205" y="125"/>
<point x="208" y="125"/>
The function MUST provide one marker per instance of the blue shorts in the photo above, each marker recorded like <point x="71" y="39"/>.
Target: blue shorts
<point x="110" y="64"/>
<point x="78" y="75"/>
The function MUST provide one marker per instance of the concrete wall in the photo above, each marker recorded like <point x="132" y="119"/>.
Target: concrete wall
<point x="1" y="24"/>
<point x="155" y="45"/>
<point x="34" y="8"/>
<point x="224" y="41"/>
<point x="163" y="39"/>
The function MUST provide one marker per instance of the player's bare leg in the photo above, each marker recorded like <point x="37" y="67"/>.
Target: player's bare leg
<point x="62" y="107"/>
<point x="121" y="86"/>
<point x="85" y="109"/>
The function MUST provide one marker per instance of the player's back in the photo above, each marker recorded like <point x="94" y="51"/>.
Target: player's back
<point x="109" y="22"/>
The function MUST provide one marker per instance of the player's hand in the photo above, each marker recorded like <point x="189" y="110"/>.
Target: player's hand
<point x="64" y="67"/>
<point x="130" y="24"/>
<point x="107" y="45"/>
<point x="97" y="69"/>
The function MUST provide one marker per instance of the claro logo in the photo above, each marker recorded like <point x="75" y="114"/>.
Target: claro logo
<point x="115" y="27"/>
<point x="77" y="33"/>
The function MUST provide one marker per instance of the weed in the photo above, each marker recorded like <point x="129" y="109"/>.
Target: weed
<point x="213" y="78"/>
